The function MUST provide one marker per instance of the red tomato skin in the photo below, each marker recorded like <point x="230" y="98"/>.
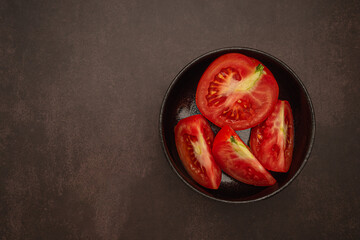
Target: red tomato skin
<point x="192" y="135"/>
<point x="268" y="142"/>
<point x="261" y="97"/>
<point x="243" y="167"/>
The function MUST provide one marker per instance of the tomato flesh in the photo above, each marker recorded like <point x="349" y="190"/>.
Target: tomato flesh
<point x="236" y="90"/>
<point x="272" y="141"/>
<point x="236" y="159"/>
<point x="194" y="139"/>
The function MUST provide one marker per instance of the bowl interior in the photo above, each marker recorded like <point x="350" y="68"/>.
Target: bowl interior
<point x="179" y="102"/>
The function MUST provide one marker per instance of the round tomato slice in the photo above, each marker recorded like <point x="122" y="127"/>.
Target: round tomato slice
<point x="194" y="139"/>
<point x="235" y="158"/>
<point x="272" y="141"/>
<point x="236" y="90"/>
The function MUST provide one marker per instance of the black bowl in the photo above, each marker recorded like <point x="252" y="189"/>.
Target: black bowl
<point x="179" y="102"/>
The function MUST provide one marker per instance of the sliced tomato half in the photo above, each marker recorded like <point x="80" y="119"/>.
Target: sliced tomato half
<point x="272" y="141"/>
<point x="236" y="90"/>
<point x="235" y="158"/>
<point x="194" y="139"/>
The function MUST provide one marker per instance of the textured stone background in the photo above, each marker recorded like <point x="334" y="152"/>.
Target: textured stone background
<point x="81" y="84"/>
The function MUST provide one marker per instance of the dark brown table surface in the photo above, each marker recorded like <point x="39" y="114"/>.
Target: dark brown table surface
<point x="81" y="84"/>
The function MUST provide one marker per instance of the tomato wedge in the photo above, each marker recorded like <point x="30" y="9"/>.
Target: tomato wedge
<point x="272" y="141"/>
<point x="194" y="139"/>
<point x="235" y="158"/>
<point x="236" y="90"/>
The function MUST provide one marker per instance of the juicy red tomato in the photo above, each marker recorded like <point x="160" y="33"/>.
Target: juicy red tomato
<point x="272" y="141"/>
<point x="236" y="90"/>
<point x="194" y="139"/>
<point x="235" y="158"/>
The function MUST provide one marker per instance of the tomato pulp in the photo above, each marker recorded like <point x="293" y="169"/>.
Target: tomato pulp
<point x="272" y="141"/>
<point x="194" y="139"/>
<point x="235" y="158"/>
<point x="236" y="90"/>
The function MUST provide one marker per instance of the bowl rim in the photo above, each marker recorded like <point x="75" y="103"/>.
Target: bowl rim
<point x="176" y="79"/>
